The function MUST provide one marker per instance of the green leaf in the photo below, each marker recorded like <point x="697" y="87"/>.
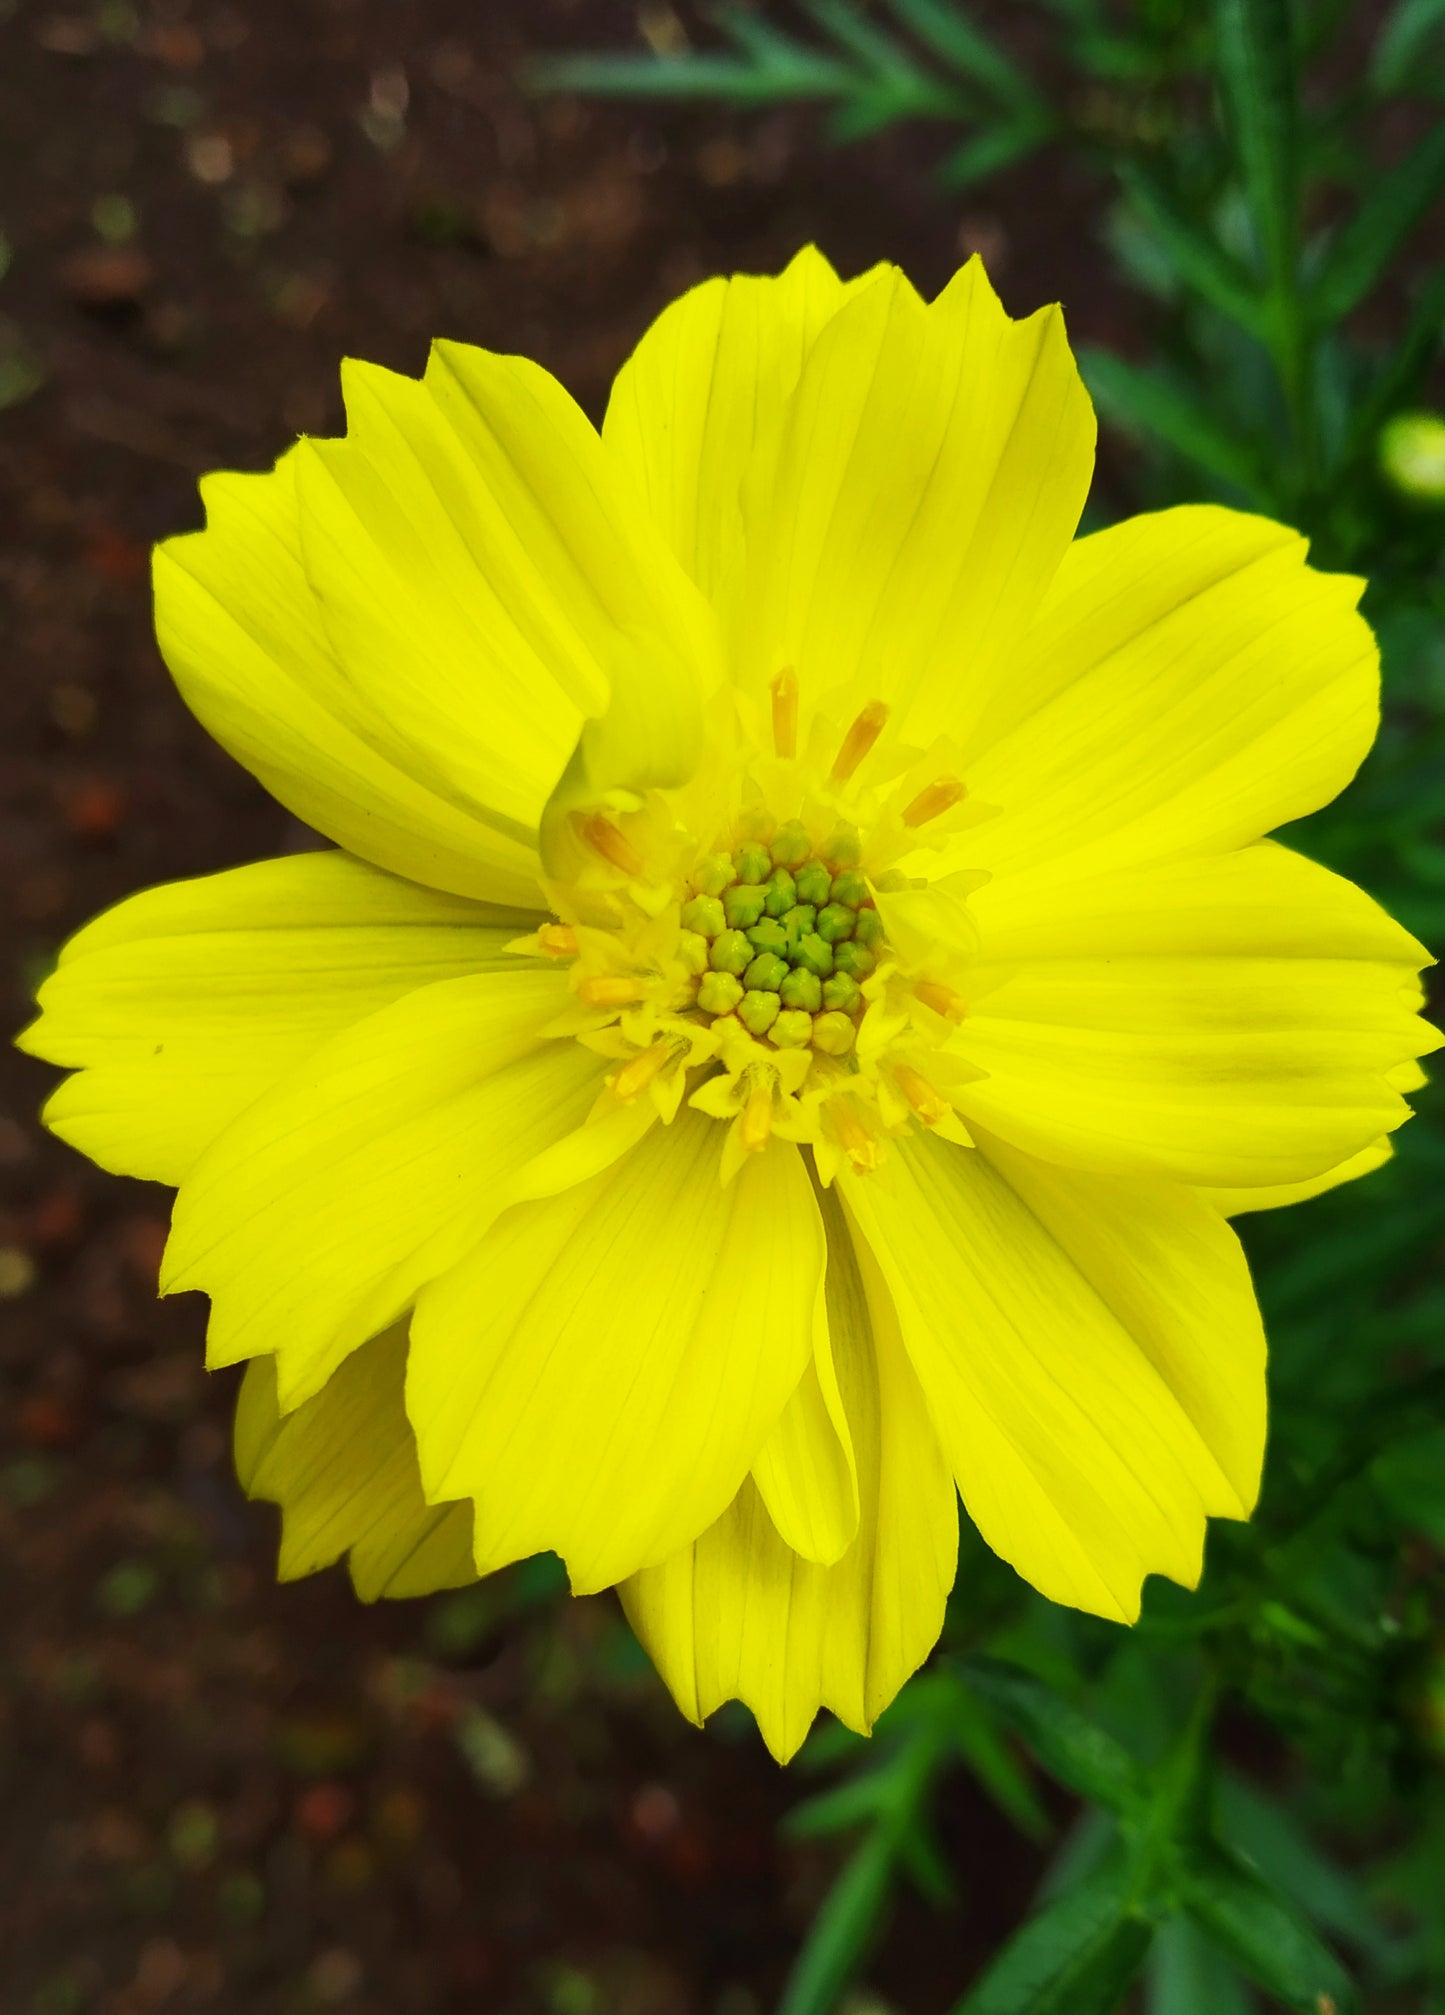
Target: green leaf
<point x="950" y="34"/>
<point x="1199" y="261"/>
<point x="1404" y="43"/>
<point x="851" y="1803"/>
<point x="1078" y="1956"/>
<point x="1142" y="402"/>
<point x="724" y="80"/>
<point x="842" y="1931"/>
<point x="1255" y="61"/>
<point x="995" y="1766"/>
<point x="1398" y="202"/>
<point x="1190" y="1976"/>
<point x="1070" y="1746"/>
<point x="988" y="153"/>
<point x="1269" y="1941"/>
<point x="1265" y="1835"/>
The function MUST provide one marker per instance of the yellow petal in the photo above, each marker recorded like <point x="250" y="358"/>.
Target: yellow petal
<point x="241" y="631"/>
<point x="906" y="516"/>
<point x="1091" y="1353"/>
<point x="180" y="1006"/>
<point x="601" y="1372"/>
<point x="491" y="583"/>
<point x="1225" y="1021"/>
<point x="343" y="1470"/>
<point x="1274" y="1196"/>
<point x="706" y="383"/>
<point x="378" y="1163"/>
<point x="1189" y="683"/>
<point x="739" y="1615"/>
<point x="806" y="1472"/>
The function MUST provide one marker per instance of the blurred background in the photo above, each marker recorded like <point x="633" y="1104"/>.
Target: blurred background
<point x="220" y="1794"/>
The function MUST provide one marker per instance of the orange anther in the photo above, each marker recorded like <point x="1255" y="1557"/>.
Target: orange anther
<point x="939" y="796"/>
<point x="784" y="690"/>
<point x="557" y="941"/>
<point x="609" y="841"/>
<point x="920" y="1094"/>
<point x="853" y="1137"/>
<point x="943" y="1000"/>
<point x="757" y="1119"/>
<point x="859" y="740"/>
<point x="606" y="990"/>
<point x="639" y="1071"/>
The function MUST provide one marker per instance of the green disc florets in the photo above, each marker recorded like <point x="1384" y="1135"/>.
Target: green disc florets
<point x="789" y="933"/>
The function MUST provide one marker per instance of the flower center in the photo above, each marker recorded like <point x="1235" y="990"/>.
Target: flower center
<point x="783" y="937"/>
<point x="746" y="960"/>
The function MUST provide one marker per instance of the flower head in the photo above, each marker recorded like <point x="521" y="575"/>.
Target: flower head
<point x="800" y="988"/>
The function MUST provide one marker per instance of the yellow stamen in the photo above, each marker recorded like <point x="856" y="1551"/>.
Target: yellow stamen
<point x="854" y="1138"/>
<point x="757" y="1119"/>
<point x="639" y="1071"/>
<point x="557" y="941"/>
<point x="859" y="740"/>
<point x="604" y="990"/>
<point x="920" y="1094"/>
<point x="943" y="1000"/>
<point x="785" y="713"/>
<point x="609" y="841"/>
<point x="939" y="796"/>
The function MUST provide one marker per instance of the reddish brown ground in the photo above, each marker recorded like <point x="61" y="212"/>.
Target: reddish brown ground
<point x="215" y="1793"/>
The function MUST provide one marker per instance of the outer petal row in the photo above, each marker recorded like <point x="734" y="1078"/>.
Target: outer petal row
<point x="600" y="1374"/>
<point x="1091" y="1353"/>
<point x="178" y="1008"/>
<point x="1226" y="1021"/>
<point x="406" y="633"/>
<point x="740" y="1615"/>
<point x="343" y="1469"/>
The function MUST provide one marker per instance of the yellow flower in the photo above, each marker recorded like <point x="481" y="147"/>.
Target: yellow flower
<point x="801" y="988"/>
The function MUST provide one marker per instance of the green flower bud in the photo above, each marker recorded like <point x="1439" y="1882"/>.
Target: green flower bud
<point x="719" y="993"/>
<point x="768" y="935"/>
<point x="853" y="959"/>
<point x="714" y="874"/>
<point x="869" y="928"/>
<point x="791" y="845"/>
<point x="815" y="955"/>
<point x="815" y="884"/>
<point x="802" y="989"/>
<point x="767" y="971"/>
<point x="796" y="925"/>
<point x="782" y="893"/>
<point x="731" y="953"/>
<point x="704" y="914"/>
<point x="833" y="1034"/>
<point x="850" y="887"/>
<point x="841" y="992"/>
<point x="692" y="949"/>
<point x="743" y="903"/>
<point x="753" y="863"/>
<point x="792" y="1029"/>
<point x="1412" y="456"/>
<point x="758" y="1012"/>
<point x="835" y="922"/>
<point x="845" y="849"/>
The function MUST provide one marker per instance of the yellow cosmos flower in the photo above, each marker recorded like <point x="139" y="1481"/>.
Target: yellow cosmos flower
<point x="801" y="987"/>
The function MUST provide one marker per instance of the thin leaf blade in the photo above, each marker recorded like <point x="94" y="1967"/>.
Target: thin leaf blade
<point x="1140" y="402"/>
<point x="1365" y="248"/>
<point x="1078" y="1956"/>
<point x="1265" y="1937"/>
